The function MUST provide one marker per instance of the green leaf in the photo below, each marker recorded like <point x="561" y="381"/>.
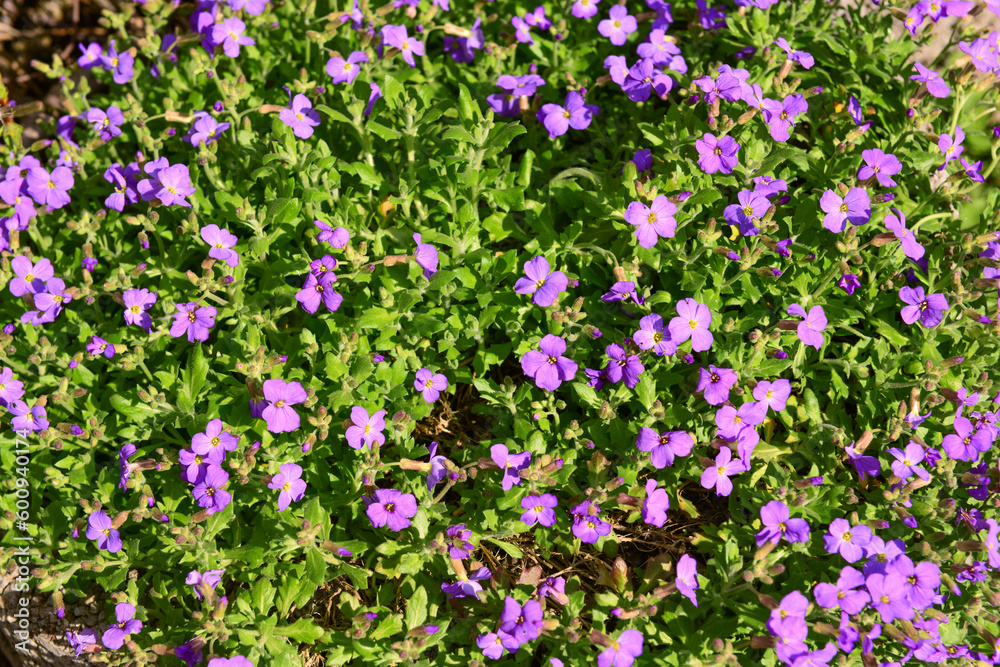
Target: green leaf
<point x="135" y="410"/>
<point x="389" y="626"/>
<point x="702" y="198"/>
<point x="416" y="608"/>
<point x="510" y="549"/>
<point x="262" y="596"/>
<point x="500" y="139"/>
<point x="393" y="91"/>
<point x="315" y="567"/>
<point x="281" y="211"/>
<point x="384" y="132"/>
<point x="303" y="631"/>
<point x="467" y="107"/>
<point x="646" y="390"/>
<point x="376" y="318"/>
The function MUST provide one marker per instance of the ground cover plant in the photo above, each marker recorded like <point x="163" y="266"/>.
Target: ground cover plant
<point x="445" y="333"/>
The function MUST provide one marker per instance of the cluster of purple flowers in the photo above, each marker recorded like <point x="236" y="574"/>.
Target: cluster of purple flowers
<point x="202" y="466"/>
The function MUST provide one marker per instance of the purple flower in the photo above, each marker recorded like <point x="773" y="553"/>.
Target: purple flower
<point x="537" y="19"/>
<point x="293" y="488"/>
<point x="716" y="382"/>
<point x="514" y="87"/>
<point x="653" y="221"/>
<point x="281" y="396"/>
<point x="664" y="447"/>
<point x="25" y="418"/>
<point x="395" y="36"/>
<point x="588" y="528"/>
<point x="907" y="462"/>
<point x="654" y="335"/>
<point x="769" y="187"/>
<point x="99" y="527"/>
<point x="194" y="320"/>
<point x="774" y="394"/>
<point x="510" y="464"/>
<point x="494" y="643"/>
<point x="203" y="582"/>
<point x="215" y="438"/>
<point x="28" y="277"/>
<point x="643" y="161"/>
<point x="855" y="207"/>
<point x="338" y="237"/>
<point x="846" y="540"/>
<point x="235" y="661"/>
<point x="392" y="508"/>
<point x="125" y="184"/>
<point x="137" y="303"/>
<point x="623" y="366"/>
<point x="322" y="267"/>
<point x="10" y="389"/>
<point x="114" y="637"/>
<point x="168" y="184"/>
<point x="585" y="9"/>
<point x="91" y="56"/>
<point x="457" y="539"/>
<point x="469" y="587"/>
<point x="622" y="291"/>
<point x="547" y="365"/>
<point x="190" y="653"/>
<point x="966" y="443"/>
<point x="124" y="453"/>
<point x="439" y="467"/>
<point x="780" y="116"/>
<point x="545" y="285"/>
<point x="205" y="129"/>
<point x="229" y="34"/>
<point x="345" y="71"/>
<point x="752" y="205"/>
<point x="96" y="346"/>
<point x="718" y="475"/>
<point x="655" y="505"/>
<point x="845" y="593"/>
<point x="809" y="329"/>
<point x="929" y="310"/>
<point x="921" y="580"/>
<point x="49" y="189"/>
<point x="120" y="64"/>
<point x="888" y="596"/>
<point x="373" y="97"/>
<point x="575" y="113"/>
<point x="774" y="517"/>
<point x="687" y="578"/>
<point x="319" y="290"/>
<point x="365" y="430"/>
<point x="107" y="123"/>
<point x="623" y="651"/>
<point x="864" y="465"/>
<point x="83" y="640"/>
<point x="895" y="222"/>
<point x="209" y="493"/>
<point x="952" y="148"/>
<point x="936" y="86"/>
<point x="717" y="154"/>
<point x="430" y="384"/>
<point x="426" y="256"/>
<point x="972" y="170"/>
<point x="692" y="321"/>
<point x="221" y="242"/>
<point x="619" y="26"/>
<point x="881" y="165"/>
<point x="982" y="57"/>
<point x="301" y="117"/>
<point x="539" y="508"/>
<point x="522" y="30"/>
